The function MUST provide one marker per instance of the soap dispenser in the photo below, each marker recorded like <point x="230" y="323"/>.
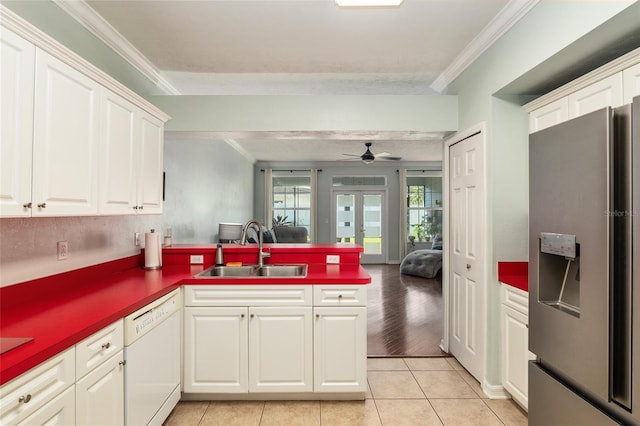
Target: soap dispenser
<point x="219" y="255"/>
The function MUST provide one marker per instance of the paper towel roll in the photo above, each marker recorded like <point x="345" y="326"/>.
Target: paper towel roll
<point x="152" y="250"/>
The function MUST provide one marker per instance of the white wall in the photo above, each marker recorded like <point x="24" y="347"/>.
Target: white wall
<point x="547" y="30"/>
<point x="207" y="182"/>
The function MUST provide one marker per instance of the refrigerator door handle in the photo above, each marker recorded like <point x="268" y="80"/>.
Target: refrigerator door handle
<point x="621" y="262"/>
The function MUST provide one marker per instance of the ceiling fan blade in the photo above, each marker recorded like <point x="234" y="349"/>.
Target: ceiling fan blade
<point x="352" y="155"/>
<point x="383" y="154"/>
<point x="391" y="158"/>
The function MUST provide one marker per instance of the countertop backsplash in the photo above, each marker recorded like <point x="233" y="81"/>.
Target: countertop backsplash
<point x="28" y="247"/>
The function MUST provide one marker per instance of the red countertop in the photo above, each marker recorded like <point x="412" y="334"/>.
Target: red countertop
<point x="515" y="274"/>
<point x="61" y="310"/>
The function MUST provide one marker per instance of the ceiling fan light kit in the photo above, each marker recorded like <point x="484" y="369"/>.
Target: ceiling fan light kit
<point x="368" y="3"/>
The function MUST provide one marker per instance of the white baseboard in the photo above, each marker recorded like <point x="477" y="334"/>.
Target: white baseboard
<point x="495" y="391"/>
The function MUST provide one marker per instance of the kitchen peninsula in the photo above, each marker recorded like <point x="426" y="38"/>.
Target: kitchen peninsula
<point x="322" y="317"/>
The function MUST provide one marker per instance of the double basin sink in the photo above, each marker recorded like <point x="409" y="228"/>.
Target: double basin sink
<point x="264" y="271"/>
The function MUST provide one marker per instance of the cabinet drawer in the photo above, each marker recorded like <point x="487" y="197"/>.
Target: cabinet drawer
<point x="99" y="347"/>
<point x="339" y="295"/>
<point x="515" y="298"/>
<point x="248" y="295"/>
<point x="61" y="410"/>
<point x="26" y="394"/>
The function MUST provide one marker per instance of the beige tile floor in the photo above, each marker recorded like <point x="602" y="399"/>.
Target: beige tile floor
<point x="402" y="391"/>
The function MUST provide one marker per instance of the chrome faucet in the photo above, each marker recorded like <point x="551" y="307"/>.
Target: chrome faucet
<point x="243" y="241"/>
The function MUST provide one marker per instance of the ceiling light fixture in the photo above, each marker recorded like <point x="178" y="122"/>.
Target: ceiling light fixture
<point x="368" y="3"/>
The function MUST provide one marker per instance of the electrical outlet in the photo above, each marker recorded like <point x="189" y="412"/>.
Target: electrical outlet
<point x="63" y="250"/>
<point x="197" y="259"/>
<point x="333" y="258"/>
<point x="136" y="239"/>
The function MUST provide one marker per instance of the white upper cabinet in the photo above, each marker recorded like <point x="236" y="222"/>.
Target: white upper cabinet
<point x="606" y="92"/>
<point x="118" y="183"/>
<point x="150" y="174"/>
<point x="65" y="144"/>
<point x="131" y="159"/>
<point x="549" y="115"/>
<point x="16" y="132"/>
<point x="631" y="81"/>
<point x="74" y="142"/>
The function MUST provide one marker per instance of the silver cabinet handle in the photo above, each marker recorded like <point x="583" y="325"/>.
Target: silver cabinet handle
<point x="42" y="205"/>
<point x="251" y="316"/>
<point x="339" y="296"/>
<point x="25" y="398"/>
<point x="27" y="205"/>
<point x="123" y="362"/>
<point x="468" y="267"/>
<point x="241" y="315"/>
<point x="141" y="207"/>
<point x="106" y="345"/>
<point x="135" y="207"/>
<point x="317" y="315"/>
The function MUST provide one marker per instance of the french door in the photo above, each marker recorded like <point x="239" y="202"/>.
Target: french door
<point x="359" y="218"/>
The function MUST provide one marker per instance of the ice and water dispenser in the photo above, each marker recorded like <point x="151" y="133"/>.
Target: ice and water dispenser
<point x="559" y="272"/>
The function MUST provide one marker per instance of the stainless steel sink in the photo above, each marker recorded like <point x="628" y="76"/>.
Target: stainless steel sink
<point x="227" y="271"/>
<point x="254" y="271"/>
<point x="282" y="271"/>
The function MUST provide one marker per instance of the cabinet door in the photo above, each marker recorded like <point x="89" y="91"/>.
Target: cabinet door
<point x="631" y="83"/>
<point x="16" y="132"/>
<point x="516" y="355"/>
<point x="340" y="349"/>
<point x="216" y="349"/>
<point x="118" y="169"/>
<point x="66" y="121"/>
<point x="606" y="92"/>
<point x="100" y="394"/>
<point x="61" y="410"/>
<point x="150" y="173"/>
<point x="27" y="393"/>
<point x="549" y="115"/>
<point x="281" y="349"/>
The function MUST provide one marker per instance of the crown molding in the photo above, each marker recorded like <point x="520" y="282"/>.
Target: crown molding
<point x="99" y="27"/>
<point x="26" y="30"/>
<point x="500" y="24"/>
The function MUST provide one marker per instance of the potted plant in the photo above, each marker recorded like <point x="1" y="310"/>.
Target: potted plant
<point x="280" y="221"/>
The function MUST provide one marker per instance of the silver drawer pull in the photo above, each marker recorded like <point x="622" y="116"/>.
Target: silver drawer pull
<point x="27" y="205"/>
<point x="106" y="345"/>
<point x="339" y="296"/>
<point x="122" y="362"/>
<point x="241" y="315"/>
<point x="25" y="398"/>
<point x="42" y="205"/>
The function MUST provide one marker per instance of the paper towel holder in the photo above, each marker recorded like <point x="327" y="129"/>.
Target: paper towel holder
<point x="152" y="251"/>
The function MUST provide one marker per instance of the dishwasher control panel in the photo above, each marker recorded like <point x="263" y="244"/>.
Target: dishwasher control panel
<point x="148" y="317"/>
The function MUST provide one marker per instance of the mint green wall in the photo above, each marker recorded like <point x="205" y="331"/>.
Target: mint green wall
<point x="310" y="113"/>
<point x="547" y="29"/>
<point x="56" y="23"/>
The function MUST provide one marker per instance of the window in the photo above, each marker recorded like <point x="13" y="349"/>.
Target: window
<point x="291" y="198"/>
<point x="424" y="206"/>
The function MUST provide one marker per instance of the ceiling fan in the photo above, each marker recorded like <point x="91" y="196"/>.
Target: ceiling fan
<point x="368" y="157"/>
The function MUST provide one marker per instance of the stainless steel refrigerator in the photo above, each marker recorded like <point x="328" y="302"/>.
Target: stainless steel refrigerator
<point x="584" y="269"/>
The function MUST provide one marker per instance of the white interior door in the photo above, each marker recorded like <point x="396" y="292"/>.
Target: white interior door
<point x="359" y="218"/>
<point x="466" y="252"/>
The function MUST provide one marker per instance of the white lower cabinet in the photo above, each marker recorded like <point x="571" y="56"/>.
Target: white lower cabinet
<point x="280" y="349"/>
<point x="275" y="340"/>
<point x="28" y="394"/>
<point x="59" y="411"/>
<point x="340" y="349"/>
<point x="216" y="349"/>
<point x="100" y="394"/>
<point x="515" y="343"/>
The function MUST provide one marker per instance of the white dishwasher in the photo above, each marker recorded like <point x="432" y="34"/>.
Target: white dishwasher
<point x="152" y="355"/>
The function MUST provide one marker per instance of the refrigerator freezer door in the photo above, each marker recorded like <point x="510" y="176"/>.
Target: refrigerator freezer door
<point x="569" y="193"/>
<point x="552" y="403"/>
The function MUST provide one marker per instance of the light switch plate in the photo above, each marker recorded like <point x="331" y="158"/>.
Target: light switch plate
<point x="197" y="259"/>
